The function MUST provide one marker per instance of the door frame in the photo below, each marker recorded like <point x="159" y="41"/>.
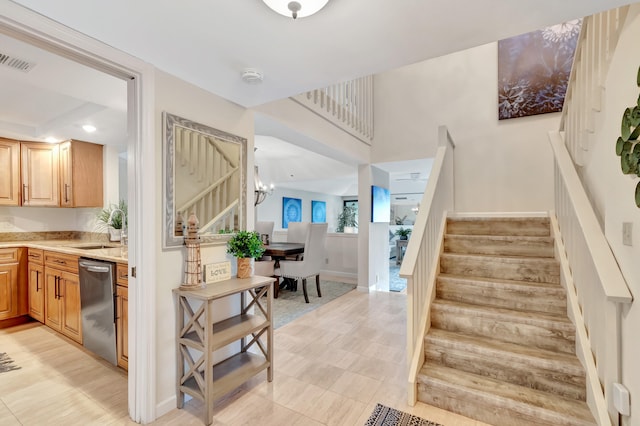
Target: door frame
<point x="30" y="27"/>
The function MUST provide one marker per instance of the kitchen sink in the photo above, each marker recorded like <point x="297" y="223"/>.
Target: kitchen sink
<point x="93" y="246"/>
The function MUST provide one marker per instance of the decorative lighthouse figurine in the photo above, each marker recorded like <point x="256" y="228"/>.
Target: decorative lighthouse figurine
<point x="193" y="263"/>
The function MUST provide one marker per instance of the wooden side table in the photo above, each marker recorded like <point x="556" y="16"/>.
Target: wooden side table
<point x="400" y="244"/>
<point x="197" y="337"/>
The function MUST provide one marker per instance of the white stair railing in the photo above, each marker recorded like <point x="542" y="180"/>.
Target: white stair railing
<point x="600" y="288"/>
<point x="206" y="160"/>
<point x="348" y="105"/>
<point x="598" y="40"/>
<point x="420" y="263"/>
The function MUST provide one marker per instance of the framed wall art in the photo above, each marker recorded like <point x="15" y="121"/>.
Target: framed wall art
<point x="318" y="211"/>
<point x="291" y="211"/>
<point x="534" y="70"/>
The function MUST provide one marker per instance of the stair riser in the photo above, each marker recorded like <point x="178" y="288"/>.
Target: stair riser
<point x="537" y="336"/>
<point x="530" y="270"/>
<point x="538" y="227"/>
<point x="498" y="247"/>
<point x="509" y="369"/>
<point x="448" y="398"/>
<point x="544" y="300"/>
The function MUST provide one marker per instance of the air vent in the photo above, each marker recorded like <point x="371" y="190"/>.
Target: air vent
<point x="16" y="63"/>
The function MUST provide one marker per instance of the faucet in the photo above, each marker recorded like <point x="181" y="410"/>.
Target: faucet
<point x="123" y="230"/>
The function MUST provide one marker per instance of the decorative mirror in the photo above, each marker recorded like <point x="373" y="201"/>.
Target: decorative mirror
<point x="204" y="173"/>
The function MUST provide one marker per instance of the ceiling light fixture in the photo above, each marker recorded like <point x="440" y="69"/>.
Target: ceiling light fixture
<point x="51" y="139"/>
<point x="252" y="76"/>
<point x="260" y="189"/>
<point x="296" y="9"/>
<point x="89" y="128"/>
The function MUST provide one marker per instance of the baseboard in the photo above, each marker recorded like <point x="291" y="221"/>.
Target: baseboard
<point x="167" y="405"/>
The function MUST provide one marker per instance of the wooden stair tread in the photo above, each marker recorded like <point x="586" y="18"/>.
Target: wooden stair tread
<point x="528" y="226"/>
<point x="502" y="258"/>
<point x="541" y="357"/>
<point x="505" y="395"/>
<point x="503" y="313"/>
<point x="514" y="284"/>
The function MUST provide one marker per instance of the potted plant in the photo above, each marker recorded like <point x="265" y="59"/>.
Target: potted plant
<point x="347" y="220"/>
<point x="403" y="233"/>
<point x="245" y="246"/>
<point x="115" y="226"/>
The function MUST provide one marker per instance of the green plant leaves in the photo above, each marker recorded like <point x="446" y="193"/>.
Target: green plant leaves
<point x="639" y="81"/>
<point x="638" y="194"/>
<point x="627" y="145"/>
<point x="245" y="244"/>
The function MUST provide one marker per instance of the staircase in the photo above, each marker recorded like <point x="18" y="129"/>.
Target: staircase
<point x="501" y="348"/>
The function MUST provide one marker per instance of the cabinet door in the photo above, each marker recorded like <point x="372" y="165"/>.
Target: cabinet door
<point x="122" y="326"/>
<point x="36" y="291"/>
<point x="9" y="172"/>
<point x="8" y="291"/>
<point x="53" y="308"/>
<point x="40" y="174"/>
<point x="70" y="298"/>
<point x="66" y="175"/>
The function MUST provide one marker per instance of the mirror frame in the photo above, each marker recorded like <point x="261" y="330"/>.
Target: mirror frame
<point x="169" y="122"/>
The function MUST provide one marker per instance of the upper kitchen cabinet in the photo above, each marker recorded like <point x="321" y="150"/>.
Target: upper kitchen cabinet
<point x="40" y="164"/>
<point x="80" y="174"/>
<point x="9" y="172"/>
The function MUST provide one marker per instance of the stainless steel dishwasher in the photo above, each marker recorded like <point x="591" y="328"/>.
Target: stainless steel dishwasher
<point x="97" y="301"/>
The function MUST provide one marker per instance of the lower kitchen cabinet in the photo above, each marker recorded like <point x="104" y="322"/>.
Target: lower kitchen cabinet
<point x="13" y="283"/>
<point x="36" y="291"/>
<point x="122" y="326"/>
<point x="62" y="295"/>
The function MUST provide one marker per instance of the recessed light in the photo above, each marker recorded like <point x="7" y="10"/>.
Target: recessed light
<point x="89" y="128"/>
<point x="51" y="139"/>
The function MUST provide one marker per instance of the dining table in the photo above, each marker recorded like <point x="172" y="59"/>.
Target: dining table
<point x="279" y="251"/>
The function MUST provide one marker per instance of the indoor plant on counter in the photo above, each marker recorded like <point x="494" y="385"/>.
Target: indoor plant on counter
<point x="403" y="233"/>
<point x="245" y="246"/>
<point x="113" y="222"/>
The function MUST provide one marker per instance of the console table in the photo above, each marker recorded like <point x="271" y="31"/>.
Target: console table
<point x="197" y="337"/>
<point x="400" y="244"/>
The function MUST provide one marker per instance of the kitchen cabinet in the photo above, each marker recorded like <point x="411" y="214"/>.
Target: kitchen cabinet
<point x="80" y="174"/>
<point x="198" y="336"/>
<point x="122" y="316"/>
<point x="13" y="287"/>
<point x="9" y="172"/>
<point x="62" y="294"/>
<point x="40" y="171"/>
<point x="36" y="284"/>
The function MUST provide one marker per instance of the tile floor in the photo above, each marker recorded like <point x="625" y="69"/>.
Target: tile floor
<point x="331" y="367"/>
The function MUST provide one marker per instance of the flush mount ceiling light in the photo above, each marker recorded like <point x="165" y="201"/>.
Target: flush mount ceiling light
<point x="89" y="128"/>
<point x="296" y="9"/>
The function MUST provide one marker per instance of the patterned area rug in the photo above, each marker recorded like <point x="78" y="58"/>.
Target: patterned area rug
<point x="386" y="416"/>
<point x="395" y="282"/>
<point x="6" y="363"/>
<point x="290" y="304"/>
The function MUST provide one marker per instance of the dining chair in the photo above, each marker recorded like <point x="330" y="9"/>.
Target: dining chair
<point x="297" y="233"/>
<point x="266" y="268"/>
<point x="265" y="227"/>
<point x="311" y="264"/>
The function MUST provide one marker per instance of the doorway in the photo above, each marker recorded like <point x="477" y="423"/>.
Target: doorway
<point x="28" y="27"/>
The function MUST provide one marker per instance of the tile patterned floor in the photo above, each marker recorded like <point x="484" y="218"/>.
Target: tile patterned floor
<point x="332" y="366"/>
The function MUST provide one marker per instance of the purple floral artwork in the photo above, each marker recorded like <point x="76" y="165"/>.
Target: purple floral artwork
<point x="534" y="70"/>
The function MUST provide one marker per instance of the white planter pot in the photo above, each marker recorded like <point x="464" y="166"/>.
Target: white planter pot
<point x="114" y="234"/>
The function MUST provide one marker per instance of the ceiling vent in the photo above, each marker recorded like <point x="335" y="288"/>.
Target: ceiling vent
<point x="16" y="63"/>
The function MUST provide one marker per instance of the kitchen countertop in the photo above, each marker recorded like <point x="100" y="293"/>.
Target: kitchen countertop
<point x="112" y="252"/>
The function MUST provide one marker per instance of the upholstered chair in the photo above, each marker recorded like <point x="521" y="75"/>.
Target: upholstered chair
<point x="297" y="233"/>
<point x="311" y="264"/>
<point x="263" y="227"/>
<point x="266" y="268"/>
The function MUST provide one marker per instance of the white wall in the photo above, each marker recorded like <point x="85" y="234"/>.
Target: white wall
<point x="460" y="91"/>
<point x="180" y="98"/>
<point x="613" y="193"/>
<point x="271" y="208"/>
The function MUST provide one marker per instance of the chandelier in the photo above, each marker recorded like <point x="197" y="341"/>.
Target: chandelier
<point x="260" y="189"/>
<point x="296" y="9"/>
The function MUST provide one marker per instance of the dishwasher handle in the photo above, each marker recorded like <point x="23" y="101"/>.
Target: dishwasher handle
<point x="94" y="268"/>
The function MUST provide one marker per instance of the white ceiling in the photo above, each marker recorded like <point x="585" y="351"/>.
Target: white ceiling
<point x="210" y="42"/>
